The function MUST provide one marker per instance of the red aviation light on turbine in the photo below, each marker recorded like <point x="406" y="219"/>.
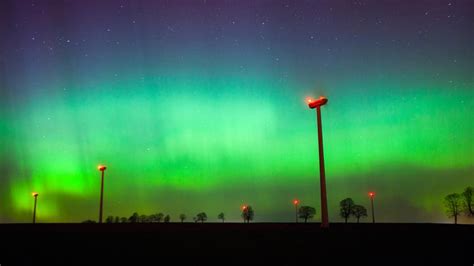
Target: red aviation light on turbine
<point x="315" y="103"/>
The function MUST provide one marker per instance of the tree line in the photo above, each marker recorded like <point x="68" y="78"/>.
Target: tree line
<point x="247" y="215"/>
<point x="304" y="212"/>
<point x="155" y="218"/>
<point x="457" y="204"/>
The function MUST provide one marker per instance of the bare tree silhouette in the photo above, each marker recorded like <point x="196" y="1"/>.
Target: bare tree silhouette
<point x="109" y="219"/>
<point x="134" y="218"/>
<point x="452" y="202"/>
<point x="182" y="217"/>
<point x="346" y="206"/>
<point x="155" y="218"/>
<point x="221" y="216"/>
<point x="306" y="212"/>
<point x="201" y="217"/>
<point x="359" y="211"/>
<point x="143" y="218"/>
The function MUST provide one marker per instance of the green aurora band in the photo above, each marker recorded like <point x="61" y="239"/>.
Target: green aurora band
<point x="166" y="148"/>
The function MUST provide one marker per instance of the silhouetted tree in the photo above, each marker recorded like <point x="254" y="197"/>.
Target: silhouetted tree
<point x="452" y="202"/>
<point x="89" y="222"/>
<point x="467" y="201"/>
<point x="152" y="218"/>
<point x="201" y="217"/>
<point x="182" y="217"/>
<point x="109" y="219"/>
<point x="117" y="219"/>
<point x="159" y="217"/>
<point x="359" y="211"/>
<point x="346" y="206"/>
<point x="134" y="218"/>
<point x="167" y="218"/>
<point x="221" y="216"/>
<point x="123" y="220"/>
<point x="248" y="214"/>
<point x="143" y="218"/>
<point x="306" y="212"/>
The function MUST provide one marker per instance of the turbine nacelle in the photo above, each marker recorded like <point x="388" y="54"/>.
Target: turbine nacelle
<point x="316" y="103"/>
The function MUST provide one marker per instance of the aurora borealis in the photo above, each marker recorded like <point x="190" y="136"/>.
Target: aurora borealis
<point x="200" y="106"/>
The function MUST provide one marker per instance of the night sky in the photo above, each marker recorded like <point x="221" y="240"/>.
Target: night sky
<point x="200" y="106"/>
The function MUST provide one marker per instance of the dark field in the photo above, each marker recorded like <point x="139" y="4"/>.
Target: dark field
<point x="236" y="244"/>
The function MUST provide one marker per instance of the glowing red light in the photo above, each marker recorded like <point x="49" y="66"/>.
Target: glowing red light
<point x="315" y="103"/>
<point x="296" y="202"/>
<point x="244" y="207"/>
<point x="101" y="167"/>
<point x="371" y="194"/>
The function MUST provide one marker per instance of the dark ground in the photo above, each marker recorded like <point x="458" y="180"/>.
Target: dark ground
<point x="236" y="244"/>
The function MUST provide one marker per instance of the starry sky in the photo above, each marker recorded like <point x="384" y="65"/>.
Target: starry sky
<point x="200" y="106"/>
